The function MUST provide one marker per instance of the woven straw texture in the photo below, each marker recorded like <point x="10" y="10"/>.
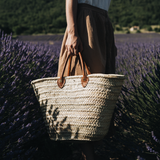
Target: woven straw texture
<point x="75" y="112"/>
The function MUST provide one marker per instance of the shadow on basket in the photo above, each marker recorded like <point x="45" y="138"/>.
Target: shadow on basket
<point x="57" y="130"/>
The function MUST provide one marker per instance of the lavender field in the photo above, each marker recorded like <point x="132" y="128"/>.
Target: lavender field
<point x="22" y="131"/>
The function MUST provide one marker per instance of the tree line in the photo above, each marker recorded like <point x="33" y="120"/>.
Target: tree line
<point x="48" y="16"/>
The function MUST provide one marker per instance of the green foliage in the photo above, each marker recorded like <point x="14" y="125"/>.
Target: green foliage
<point x="149" y="28"/>
<point x="48" y="16"/>
<point x="128" y="32"/>
<point x="119" y="28"/>
<point x="138" y="31"/>
<point x="28" y="17"/>
<point x="134" y="12"/>
<point x="157" y="29"/>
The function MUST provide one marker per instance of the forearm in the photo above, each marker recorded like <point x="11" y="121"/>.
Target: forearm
<point x="71" y="15"/>
<point x="73" y="42"/>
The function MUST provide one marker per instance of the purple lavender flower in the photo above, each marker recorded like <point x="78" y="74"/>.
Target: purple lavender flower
<point x="20" y="119"/>
<point x="19" y="110"/>
<point x="154" y="137"/>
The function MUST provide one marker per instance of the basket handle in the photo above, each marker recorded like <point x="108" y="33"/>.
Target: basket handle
<point x="84" y="80"/>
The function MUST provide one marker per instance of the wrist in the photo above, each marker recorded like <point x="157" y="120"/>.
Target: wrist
<point x="72" y="31"/>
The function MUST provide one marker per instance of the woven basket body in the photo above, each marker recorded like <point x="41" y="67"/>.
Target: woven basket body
<point x="75" y="112"/>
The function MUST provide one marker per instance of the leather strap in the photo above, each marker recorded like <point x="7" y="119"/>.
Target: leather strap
<point x="88" y="72"/>
<point x="84" y="80"/>
<point x="69" y="66"/>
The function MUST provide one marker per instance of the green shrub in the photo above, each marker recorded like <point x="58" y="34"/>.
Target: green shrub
<point x="157" y="29"/>
<point x="20" y="29"/>
<point x="119" y="28"/>
<point x="138" y="31"/>
<point x="128" y="32"/>
<point x="149" y="28"/>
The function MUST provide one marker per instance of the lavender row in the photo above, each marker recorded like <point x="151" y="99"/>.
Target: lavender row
<point x="137" y="110"/>
<point x="20" y="116"/>
<point x="22" y="131"/>
<point x="136" y="60"/>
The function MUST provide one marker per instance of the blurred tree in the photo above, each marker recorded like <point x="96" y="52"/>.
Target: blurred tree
<point x="35" y="13"/>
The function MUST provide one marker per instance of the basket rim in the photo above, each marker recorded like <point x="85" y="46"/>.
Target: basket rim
<point x="113" y="76"/>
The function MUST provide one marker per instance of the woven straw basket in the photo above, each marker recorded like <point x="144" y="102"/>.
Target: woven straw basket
<point x="76" y="111"/>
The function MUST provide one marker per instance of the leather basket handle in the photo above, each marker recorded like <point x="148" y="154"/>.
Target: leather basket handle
<point x="69" y="67"/>
<point x="84" y="80"/>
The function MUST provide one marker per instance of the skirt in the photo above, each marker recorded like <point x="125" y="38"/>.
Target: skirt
<point x="99" y="51"/>
<point x="96" y="33"/>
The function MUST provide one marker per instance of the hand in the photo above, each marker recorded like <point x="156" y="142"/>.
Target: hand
<point x="73" y="44"/>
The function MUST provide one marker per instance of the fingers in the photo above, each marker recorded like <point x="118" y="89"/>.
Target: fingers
<point x="75" y="51"/>
<point x="69" y="49"/>
<point x="74" y="47"/>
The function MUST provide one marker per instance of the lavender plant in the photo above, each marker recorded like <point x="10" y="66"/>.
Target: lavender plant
<point x="137" y="113"/>
<point x="22" y="131"/>
<point x="21" y="124"/>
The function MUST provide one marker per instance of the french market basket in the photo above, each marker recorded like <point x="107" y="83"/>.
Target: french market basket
<point x="78" y="107"/>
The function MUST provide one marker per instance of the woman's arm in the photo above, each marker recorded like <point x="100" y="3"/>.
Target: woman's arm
<point x="73" y="43"/>
<point x="71" y="14"/>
